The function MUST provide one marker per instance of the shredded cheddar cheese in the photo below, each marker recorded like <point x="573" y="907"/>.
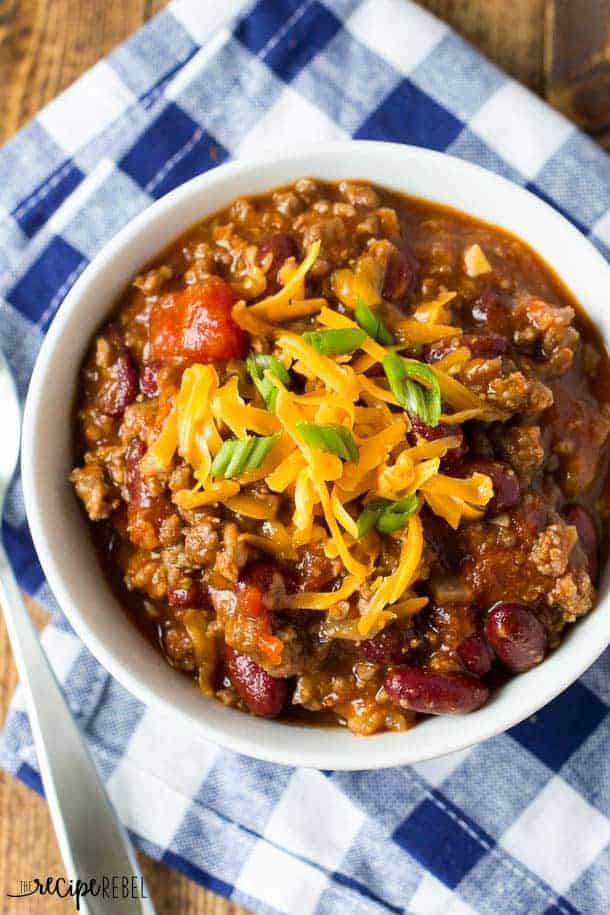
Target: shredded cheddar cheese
<point x="298" y="495"/>
<point x="261" y="507"/>
<point x="454" y="359"/>
<point x="413" y="331"/>
<point x="240" y="417"/>
<point x="216" y="492"/>
<point x="436" y="311"/>
<point x="318" y="600"/>
<point x="278" y="307"/>
<point x="388" y="590"/>
<point x="160" y="454"/>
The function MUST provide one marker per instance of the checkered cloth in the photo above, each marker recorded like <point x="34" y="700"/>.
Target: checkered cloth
<point x="520" y="824"/>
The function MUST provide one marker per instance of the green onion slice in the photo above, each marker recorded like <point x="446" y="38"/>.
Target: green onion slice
<point x="331" y="438"/>
<point x="396" y="514"/>
<point x="337" y="341"/>
<point x="372" y="324"/>
<point x="415" y="387"/>
<point x="236" y="455"/>
<point x="259" y="363"/>
<point x="370" y="515"/>
<point x="386" y="516"/>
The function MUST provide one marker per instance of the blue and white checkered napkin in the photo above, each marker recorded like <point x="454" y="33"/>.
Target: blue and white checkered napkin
<point x="520" y="824"/>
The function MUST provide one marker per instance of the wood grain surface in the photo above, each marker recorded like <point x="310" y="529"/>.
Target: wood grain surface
<point x="577" y="62"/>
<point x="44" y="46"/>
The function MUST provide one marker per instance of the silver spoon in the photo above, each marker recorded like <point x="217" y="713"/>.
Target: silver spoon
<point x="91" y="839"/>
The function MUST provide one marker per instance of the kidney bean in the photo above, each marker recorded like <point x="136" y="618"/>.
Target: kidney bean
<point x="517" y="637"/>
<point x="507" y="490"/>
<point x="137" y="488"/>
<point x="401" y="273"/>
<point x="121" y="387"/>
<point x="149" y="380"/>
<point x="191" y="596"/>
<point x="434" y="352"/>
<point x="281" y="246"/>
<point x="587" y="536"/>
<point x="433" y="693"/>
<point x="260" y="574"/>
<point x="389" y="646"/>
<point x="491" y="309"/>
<point x="420" y="429"/>
<point x="263" y="694"/>
<point x="485" y="346"/>
<point x="475" y="654"/>
<point x="256" y="579"/>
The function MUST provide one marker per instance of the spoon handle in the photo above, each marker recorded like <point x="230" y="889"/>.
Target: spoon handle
<point x="92" y="842"/>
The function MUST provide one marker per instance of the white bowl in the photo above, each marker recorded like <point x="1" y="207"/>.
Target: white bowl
<point x="60" y="530"/>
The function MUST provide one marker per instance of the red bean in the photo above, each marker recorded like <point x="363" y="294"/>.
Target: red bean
<point x="420" y="429"/>
<point x="260" y="574"/>
<point x="517" y="636"/>
<point x="389" y="647"/>
<point x="121" y="387"/>
<point x="491" y="309"/>
<point x="137" y="488"/>
<point x="401" y="273"/>
<point x="587" y="536"/>
<point x="191" y="596"/>
<point x="280" y="246"/>
<point x="485" y="346"/>
<point x="475" y="655"/>
<point x="507" y="490"/>
<point x="433" y="693"/>
<point x="433" y="352"/>
<point x="263" y="694"/>
<point x="149" y="380"/>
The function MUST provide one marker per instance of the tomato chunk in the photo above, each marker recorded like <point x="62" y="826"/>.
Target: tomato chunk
<point x="250" y="600"/>
<point x="196" y="324"/>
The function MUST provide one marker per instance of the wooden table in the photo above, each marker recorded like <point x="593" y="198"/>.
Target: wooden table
<point x="44" y="46"/>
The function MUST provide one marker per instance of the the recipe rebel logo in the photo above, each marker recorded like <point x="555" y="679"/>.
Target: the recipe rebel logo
<point x="107" y="886"/>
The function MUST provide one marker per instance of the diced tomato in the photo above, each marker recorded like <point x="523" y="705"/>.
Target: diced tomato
<point x="250" y="600"/>
<point x="261" y="574"/>
<point x="270" y="647"/>
<point x="250" y="604"/>
<point x="195" y="323"/>
<point x="144" y="523"/>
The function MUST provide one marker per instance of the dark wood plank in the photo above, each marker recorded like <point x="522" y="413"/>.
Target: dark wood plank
<point x="509" y="32"/>
<point x="577" y="62"/>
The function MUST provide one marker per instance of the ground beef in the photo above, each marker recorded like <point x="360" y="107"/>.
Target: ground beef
<point x="496" y="381"/>
<point x="92" y="487"/>
<point x="574" y="594"/>
<point x="179" y="647"/>
<point x="216" y="589"/>
<point x="201" y="543"/>
<point x="146" y="573"/>
<point x="522" y="447"/>
<point x="315" y="572"/>
<point x="552" y="547"/>
<point x="548" y="330"/>
<point x="233" y="555"/>
<point x="293" y="654"/>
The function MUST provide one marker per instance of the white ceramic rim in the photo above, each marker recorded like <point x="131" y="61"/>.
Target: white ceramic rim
<point x="438" y="177"/>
